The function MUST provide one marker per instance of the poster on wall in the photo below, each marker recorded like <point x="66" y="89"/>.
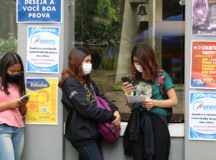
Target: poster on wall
<point x="204" y="17"/>
<point x="43" y="49"/>
<point x="202" y="115"/>
<point x="39" y="11"/>
<point x="42" y="104"/>
<point x="203" y="65"/>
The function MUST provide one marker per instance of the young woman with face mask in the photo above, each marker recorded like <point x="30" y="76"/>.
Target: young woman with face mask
<point x="83" y="114"/>
<point x="147" y="136"/>
<point x="12" y="109"/>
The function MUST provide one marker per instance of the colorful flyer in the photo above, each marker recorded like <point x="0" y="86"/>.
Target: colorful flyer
<point x="203" y="65"/>
<point x="42" y="104"/>
<point x="202" y="115"/>
<point x="43" y="49"/>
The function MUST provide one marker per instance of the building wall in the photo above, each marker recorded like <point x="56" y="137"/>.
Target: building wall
<point x="194" y="150"/>
<point x="46" y="142"/>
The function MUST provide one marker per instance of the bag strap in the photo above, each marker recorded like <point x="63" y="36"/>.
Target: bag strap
<point x="92" y="88"/>
<point x="101" y="103"/>
<point x="160" y="79"/>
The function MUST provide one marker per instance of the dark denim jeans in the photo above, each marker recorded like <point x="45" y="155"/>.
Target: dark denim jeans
<point x="90" y="152"/>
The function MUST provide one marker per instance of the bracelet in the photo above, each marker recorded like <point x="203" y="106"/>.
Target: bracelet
<point x="129" y="94"/>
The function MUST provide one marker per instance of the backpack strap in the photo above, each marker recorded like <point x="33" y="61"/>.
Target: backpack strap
<point x="160" y="79"/>
<point x="92" y="88"/>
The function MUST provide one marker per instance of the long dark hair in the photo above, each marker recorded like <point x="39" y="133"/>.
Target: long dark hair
<point x="9" y="59"/>
<point x="75" y="59"/>
<point x="146" y="57"/>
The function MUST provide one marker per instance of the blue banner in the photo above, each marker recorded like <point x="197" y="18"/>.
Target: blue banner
<point x="43" y="11"/>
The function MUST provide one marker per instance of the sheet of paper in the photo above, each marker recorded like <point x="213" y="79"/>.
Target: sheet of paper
<point x="136" y="99"/>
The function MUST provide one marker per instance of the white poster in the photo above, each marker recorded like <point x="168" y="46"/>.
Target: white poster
<point x="202" y="115"/>
<point x="43" y="49"/>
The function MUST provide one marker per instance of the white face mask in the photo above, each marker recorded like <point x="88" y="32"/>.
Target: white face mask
<point x="138" y="67"/>
<point x="87" y="68"/>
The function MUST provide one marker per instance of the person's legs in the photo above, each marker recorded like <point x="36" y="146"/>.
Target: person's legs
<point x="137" y="149"/>
<point x="89" y="152"/>
<point x="161" y="139"/>
<point x="6" y="145"/>
<point x="18" y="142"/>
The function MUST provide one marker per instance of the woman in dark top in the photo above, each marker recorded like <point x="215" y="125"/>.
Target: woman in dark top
<point x="83" y="114"/>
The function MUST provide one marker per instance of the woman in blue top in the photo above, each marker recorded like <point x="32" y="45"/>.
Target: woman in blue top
<point x="147" y="136"/>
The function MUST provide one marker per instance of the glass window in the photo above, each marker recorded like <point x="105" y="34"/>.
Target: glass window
<point x="173" y="10"/>
<point x="8" y="27"/>
<point x="110" y="28"/>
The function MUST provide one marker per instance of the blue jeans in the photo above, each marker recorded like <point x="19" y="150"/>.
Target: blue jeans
<point x="11" y="142"/>
<point x="90" y="152"/>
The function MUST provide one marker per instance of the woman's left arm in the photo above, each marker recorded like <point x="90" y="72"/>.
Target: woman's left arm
<point x="171" y="101"/>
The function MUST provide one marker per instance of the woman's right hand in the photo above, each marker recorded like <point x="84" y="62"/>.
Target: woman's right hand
<point x="128" y="88"/>
<point x="13" y="104"/>
<point x="117" y="120"/>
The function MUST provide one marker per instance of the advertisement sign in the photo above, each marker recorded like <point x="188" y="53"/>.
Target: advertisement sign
<point x="203" y="69"/>
<point x="43" y="49"/>
<point x="204" y="17"/>
<point x="202" y="115"/>
<point x="42" y="104"/>
<point x="42" y="11"/>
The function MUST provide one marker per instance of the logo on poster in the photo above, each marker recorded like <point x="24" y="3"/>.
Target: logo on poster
<point x="35" y="40"/>
<point x="37" y="84"/>
<point x="198" y="106"/>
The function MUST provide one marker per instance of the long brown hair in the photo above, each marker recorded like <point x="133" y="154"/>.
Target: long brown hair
<point x="146" y="57"/>
<point x="75" y="59"/>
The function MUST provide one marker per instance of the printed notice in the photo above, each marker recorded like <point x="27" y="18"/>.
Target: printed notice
<point x="202" y="115"/>
<point x="136" y="99"/>
<point x="42" y="104"/>
<point x="203" y="70"/>
<point x="43" y="49"/>
<point x="43" y="11"/>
